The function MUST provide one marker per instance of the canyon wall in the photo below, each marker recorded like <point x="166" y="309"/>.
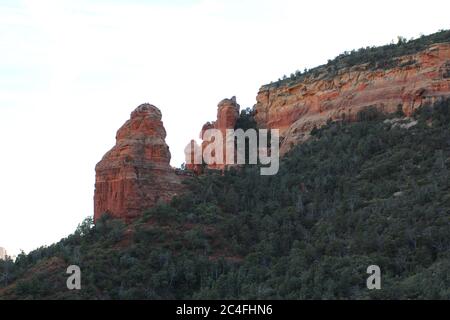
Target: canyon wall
<point x="136" y="174"/>
<point x="297" y="108"/>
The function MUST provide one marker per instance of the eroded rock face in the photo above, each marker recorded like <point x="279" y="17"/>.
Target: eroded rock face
<point x="297" y="109"/>
<point x="227" y="116"/>
<point x="136" y="174"/>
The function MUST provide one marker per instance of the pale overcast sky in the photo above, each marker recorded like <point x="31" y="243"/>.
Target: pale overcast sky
<point x="72" y="71"/>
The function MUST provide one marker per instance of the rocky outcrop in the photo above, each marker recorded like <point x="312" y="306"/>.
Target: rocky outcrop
<point x="296" y="109"/>
<point x="227" y="116"/>
<point x="136" y="174"/>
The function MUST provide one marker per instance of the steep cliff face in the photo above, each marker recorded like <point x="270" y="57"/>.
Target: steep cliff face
<point x="135" y="174"/>
<point x="296" y="109"/>
<point x="227" y="116"/>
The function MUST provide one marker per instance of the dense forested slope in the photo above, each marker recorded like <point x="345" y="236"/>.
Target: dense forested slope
<point x="356" y="194"/>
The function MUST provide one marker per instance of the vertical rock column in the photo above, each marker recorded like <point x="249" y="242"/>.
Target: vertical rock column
<point x="136" y="174"/>
<point x="227" y="116"/>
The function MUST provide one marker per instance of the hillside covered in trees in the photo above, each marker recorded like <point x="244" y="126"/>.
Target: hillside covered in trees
<point x="373" y="58"/>
<point x="356" y="194"/>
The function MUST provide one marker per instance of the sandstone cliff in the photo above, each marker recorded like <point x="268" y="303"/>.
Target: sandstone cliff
<point x="297" y="108"/>
<point x="135" y="174"/>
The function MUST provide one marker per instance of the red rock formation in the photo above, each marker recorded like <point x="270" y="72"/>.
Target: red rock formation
<point x="227" y="115"/>
<point x="135" y="174"/>
<point x="297" y="109"/>
<point x="192" y="165"/>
